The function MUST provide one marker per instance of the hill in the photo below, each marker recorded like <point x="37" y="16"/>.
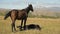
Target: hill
<point x="39" y="12"/>
<point x="3" y="11"/>
<point x="51" y="11"/>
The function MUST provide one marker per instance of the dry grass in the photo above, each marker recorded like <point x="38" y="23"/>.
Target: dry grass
<point x="49" y="26"/>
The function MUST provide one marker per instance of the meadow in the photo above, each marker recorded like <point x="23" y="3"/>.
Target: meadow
<point x="48" y="26"/>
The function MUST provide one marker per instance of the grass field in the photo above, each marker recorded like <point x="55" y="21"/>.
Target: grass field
<point x="48" y="25"/>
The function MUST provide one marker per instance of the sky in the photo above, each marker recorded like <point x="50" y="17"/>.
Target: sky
<point x="20" y="4"/>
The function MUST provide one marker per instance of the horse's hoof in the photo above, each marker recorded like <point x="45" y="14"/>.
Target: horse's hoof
<point x="21" y="29"/>
<point x="12" y="31"/>
<point x="24" y="28"/>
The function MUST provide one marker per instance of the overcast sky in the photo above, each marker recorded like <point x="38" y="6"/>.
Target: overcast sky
<point x="20" y="4"/>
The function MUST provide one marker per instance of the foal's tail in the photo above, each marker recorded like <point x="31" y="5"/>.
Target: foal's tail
<point x="7" y="15"/>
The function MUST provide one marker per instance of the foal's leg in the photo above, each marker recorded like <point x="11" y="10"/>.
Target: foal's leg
<point x="25" y="24"/>
<point x="21" y="24"/>
<point x="13" y="18"/>
<point x="13" y="26"/>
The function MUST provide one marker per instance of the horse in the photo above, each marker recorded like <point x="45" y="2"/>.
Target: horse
<point x="19" y="15"/>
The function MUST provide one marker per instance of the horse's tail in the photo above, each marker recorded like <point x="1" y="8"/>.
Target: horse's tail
<point x="7" y="15"/>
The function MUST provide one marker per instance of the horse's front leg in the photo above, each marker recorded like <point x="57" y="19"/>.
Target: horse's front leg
<point x="25" y="24"/>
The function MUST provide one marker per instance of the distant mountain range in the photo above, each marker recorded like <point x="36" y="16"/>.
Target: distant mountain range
<point x="49" y="8"/>
<point x="50" y="11"/>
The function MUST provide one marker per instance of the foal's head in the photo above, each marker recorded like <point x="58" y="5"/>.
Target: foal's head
<point x="31" y="7"/>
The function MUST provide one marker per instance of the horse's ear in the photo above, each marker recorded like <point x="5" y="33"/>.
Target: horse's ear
<point x="30" y="4"/>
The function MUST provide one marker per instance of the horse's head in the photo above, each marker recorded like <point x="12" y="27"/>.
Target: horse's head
<point x="31" y="7"/>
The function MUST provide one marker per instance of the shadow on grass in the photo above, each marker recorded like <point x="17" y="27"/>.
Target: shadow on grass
<point x="29" y="27"/>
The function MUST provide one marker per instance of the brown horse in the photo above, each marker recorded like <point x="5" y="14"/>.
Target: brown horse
<point x="19" y="15"/>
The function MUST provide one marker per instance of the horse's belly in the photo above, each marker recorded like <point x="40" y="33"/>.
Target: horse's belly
<point x="22" y="17"/>
<point x="19" y="18"/>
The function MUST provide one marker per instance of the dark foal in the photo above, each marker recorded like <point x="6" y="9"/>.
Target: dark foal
<point x="19" y="15"/>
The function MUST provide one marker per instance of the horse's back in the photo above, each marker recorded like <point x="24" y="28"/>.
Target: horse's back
<point x="18" y="14"/>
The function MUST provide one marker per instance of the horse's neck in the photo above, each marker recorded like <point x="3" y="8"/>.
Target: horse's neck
<point x="27" y="10"/>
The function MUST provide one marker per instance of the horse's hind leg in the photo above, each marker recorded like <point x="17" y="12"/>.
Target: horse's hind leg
<point x="13" y="18"/>
<point x="21" y="24"/>
<point x="13" y="26"/>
